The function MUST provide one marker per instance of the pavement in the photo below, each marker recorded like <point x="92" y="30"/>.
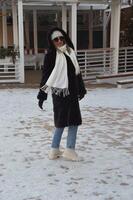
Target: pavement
<point x="105" y="141"/>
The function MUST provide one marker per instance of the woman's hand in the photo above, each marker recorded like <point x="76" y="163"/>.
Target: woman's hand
<point x="81" y="96"/>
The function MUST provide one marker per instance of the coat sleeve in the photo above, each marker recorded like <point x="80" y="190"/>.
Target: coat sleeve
<point x="46" y="71"/>
<point x="80" y="86"/>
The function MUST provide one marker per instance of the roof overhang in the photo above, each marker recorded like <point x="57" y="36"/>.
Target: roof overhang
<point x="60" y="1"/>
<point x="81" y="3"/>
<point x="69" y="1"/>
<point x="54" y="4"/>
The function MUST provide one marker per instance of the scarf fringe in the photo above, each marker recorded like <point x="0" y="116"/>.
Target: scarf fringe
<point x="59" y="91"/>
<point x="56" y="91"/>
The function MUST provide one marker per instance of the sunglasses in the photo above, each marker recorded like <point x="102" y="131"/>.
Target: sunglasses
<point x="61" y="38"/>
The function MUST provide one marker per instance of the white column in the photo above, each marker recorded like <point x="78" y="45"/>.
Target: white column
<point x="64" y="18"/>
<point x="21" y="40"/>
<point x="15" y="23"/>
<point x="35" y="31"/>
<point x="74" y="25"/>
<point x="4" y="24"/>
<point x="115" y="31"/>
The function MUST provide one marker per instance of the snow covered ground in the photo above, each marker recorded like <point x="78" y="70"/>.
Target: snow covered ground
<point x="105" y="141"/>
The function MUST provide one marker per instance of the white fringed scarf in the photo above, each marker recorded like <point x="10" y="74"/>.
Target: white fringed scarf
<point x="58" y="79"/>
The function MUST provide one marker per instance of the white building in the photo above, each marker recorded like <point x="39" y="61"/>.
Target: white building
<point x="65" y="16"/>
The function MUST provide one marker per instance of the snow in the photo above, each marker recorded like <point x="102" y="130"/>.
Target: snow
<point x="105" y="141"/>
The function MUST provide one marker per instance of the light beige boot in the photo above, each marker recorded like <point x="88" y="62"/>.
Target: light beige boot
<point x="54" y="154"/>
<point x="70" y="154"/>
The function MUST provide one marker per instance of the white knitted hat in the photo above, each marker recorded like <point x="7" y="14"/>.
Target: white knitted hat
<point x="56" y="34"/>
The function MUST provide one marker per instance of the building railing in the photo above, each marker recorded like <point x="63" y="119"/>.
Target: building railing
<point x="95" y="62"/>
<point x="9" y="71"/>
<point x="92" y="63"/>
<point x="100" y="61"/>
<point x="125" y="59"/>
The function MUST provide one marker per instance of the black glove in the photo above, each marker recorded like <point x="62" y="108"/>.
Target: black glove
<point x="40" y="103"/>
<point x="42" y="96"/>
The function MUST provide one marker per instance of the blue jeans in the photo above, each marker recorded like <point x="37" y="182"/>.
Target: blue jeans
<point x="71" y="137"/>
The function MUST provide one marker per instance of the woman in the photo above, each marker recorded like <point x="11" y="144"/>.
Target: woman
<point x="61" y="74"/>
